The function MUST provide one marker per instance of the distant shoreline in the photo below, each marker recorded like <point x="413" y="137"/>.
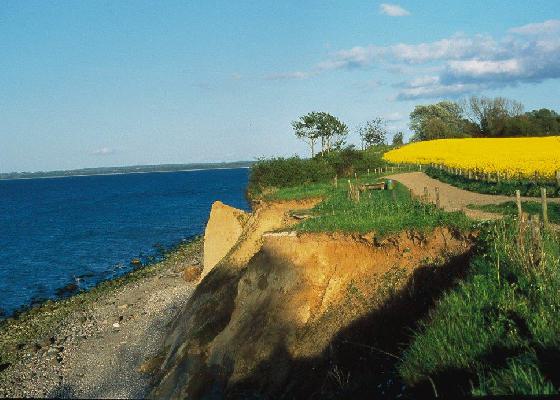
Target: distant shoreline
<point x="70" y="175"/>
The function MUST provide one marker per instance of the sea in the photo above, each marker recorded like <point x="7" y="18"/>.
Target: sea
<point x="82" y="230"/>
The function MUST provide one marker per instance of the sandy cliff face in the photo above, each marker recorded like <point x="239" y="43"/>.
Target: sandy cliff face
<point x="276" y="314"/>
<point x="222" y="232"/>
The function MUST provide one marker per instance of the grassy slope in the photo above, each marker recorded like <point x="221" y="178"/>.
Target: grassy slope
<point x="382" y="211"/>
<point x="497" y="333"/>
<point x="530" y="207"/>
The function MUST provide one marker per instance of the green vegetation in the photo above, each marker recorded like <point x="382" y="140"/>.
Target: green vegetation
<point x="508" y="188"/>
<point x="382" y="211"/>
<point x="305" y="191"/>
<point x="268" y="175"/>
<point x="481" y="117"/>
<point x="323" y="127"/>
<point x="38" y="323"/>
<point x="373" y="133"/>
<point x="530" y="207"/>
<point x="497" y="332"/>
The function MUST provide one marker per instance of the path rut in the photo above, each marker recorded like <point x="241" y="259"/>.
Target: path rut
<point x="453" y="198"/>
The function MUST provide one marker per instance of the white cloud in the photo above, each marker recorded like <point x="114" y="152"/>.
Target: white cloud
<point x="288" y="76"/>
<point x="104" y="151"/>
<point x="393" y="10"/>
<point x="393" y="117"/>
<point x="481" y="68"/>
<point x="458" y="64"/>
<point x="539" y="28"/>
<point x="437" y="89"/>
<point x="461" y="63"/>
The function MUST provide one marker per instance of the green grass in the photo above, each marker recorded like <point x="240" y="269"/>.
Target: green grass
<point x="301" y="192"/>
<point x="382" y="211"/>
<point x="17" y="334"/>
<point x="508" y="188"/>
<point x="530" y="207"/>
<point x="498" y="331"/>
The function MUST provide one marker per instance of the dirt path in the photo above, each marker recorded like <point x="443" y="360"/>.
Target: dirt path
<point x="452" y="198"/>
<point x="108" y="349"/>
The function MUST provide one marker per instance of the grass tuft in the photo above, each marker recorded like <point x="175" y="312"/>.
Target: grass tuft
<point x="530" y="207"/>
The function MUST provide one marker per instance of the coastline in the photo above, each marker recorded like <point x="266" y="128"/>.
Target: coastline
<point x="44" y="350"/>
<point x="121" y="173"/>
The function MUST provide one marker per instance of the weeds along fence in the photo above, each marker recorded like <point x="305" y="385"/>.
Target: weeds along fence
<point x="525" y="220"/>
<point x="497" y="177"/>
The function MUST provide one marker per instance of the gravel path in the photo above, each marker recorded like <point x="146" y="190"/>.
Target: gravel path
<point x="107" y="350"/>
<point x="452" y="198"/>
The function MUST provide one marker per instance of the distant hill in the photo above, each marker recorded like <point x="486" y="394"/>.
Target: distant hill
<point x="124" y="170"/>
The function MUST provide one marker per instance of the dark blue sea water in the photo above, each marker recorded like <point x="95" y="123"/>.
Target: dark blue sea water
<point x="53" y="231"/>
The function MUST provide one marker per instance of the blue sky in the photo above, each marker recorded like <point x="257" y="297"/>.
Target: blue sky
<point x="102" y="83"/>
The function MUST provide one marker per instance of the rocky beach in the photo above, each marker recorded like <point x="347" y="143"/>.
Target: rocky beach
<point x="104" y="343"/>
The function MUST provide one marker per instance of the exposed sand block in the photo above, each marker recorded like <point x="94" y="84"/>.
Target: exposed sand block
<point x="222" y="232"/>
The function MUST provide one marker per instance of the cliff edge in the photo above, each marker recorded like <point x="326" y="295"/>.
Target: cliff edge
<point x="288" y="314"/>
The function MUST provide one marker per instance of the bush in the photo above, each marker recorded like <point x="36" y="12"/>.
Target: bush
<point x="283" y="172"/>
<point x="293" y="171"/>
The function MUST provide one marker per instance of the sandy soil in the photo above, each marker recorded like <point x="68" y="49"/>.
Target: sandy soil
<point x="110" y="348"/>
<point x="452" y="198"/>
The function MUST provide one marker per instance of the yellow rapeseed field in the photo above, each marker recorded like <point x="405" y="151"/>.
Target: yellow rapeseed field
<point x="510" y="157"/>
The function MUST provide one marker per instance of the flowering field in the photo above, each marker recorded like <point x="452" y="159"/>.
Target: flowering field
<point x="509" y="157"/>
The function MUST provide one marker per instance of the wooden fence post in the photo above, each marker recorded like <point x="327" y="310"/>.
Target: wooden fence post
<point x="558" y="178"/>
<point x="336" y="181"/>
<point x="368" y="172"/>
<point x="544" y="207"/>
<point x="438" y="204"/>
<point x="518" y="202"/>
<point x="426" y="195"/>
<point x="536" y="176"/>
<point x="470" y="175"/>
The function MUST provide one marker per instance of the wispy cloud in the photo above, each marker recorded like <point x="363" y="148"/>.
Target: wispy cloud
<point x="104" y="151"/>
<point x="393" y="10"/>
<point x="462" y="63"/>
<point x="539" y="28"/>
<point x="455" y="65"/>
<point x="288" y="76"/>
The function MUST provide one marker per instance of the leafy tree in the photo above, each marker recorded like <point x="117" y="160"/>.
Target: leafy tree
<point x="437" y="121"/>
<point x="373" y="133"/>
<point x="321" y="126"/>
<point x="544" y="122"/>
<point x="398" y="139"/>
<point x="492" y="115"/>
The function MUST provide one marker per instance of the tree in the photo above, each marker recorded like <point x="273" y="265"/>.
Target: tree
<point x="544" y="122"/>
<point x="437" y="121"/>
<point x="373" y="133"/>
<point x="398" y="139"/>
<point x="492" y="116"/>
<point x="321" y="126"/>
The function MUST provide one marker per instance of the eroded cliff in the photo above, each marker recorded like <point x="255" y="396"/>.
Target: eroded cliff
<point x="299" y="314"/>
